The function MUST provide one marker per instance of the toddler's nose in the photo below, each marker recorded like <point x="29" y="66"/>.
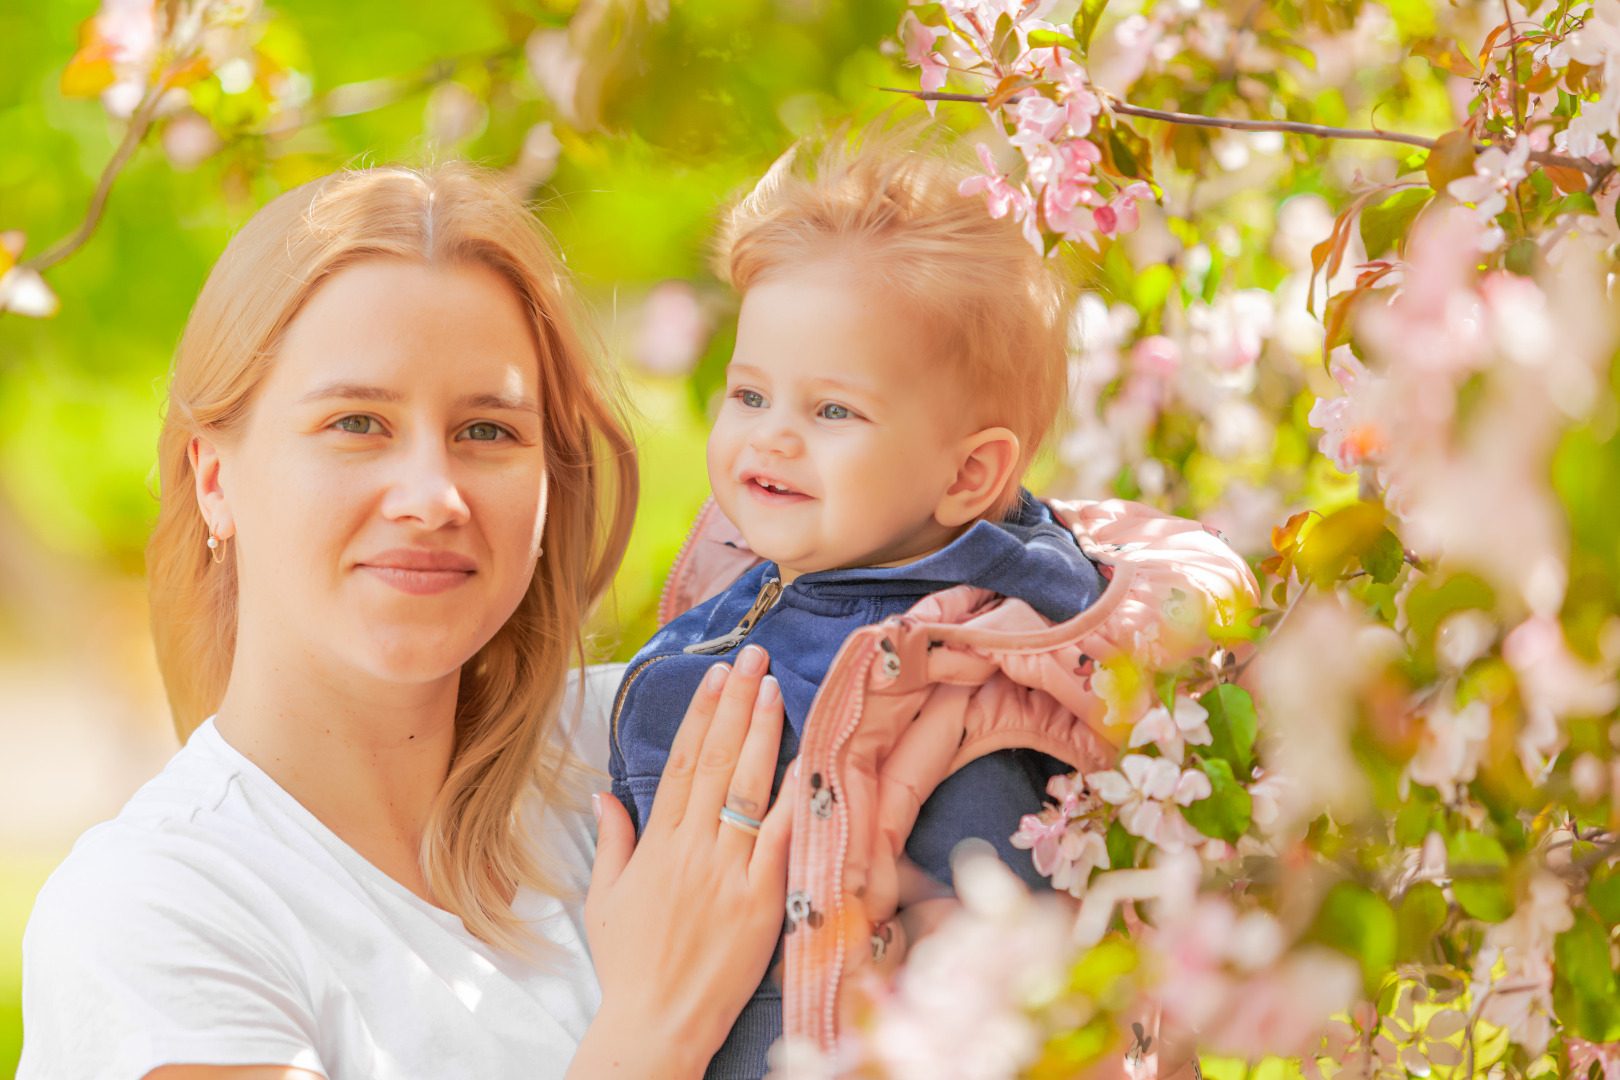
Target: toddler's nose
<point x="774" y="437"/>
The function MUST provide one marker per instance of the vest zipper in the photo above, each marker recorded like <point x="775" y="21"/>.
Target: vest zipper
<point x="769" y="593"/>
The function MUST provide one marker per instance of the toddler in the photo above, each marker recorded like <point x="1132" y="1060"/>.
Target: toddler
<point x="900" y="356"/>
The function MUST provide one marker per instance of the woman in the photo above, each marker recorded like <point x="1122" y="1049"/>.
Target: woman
<point x="392" y="486"/>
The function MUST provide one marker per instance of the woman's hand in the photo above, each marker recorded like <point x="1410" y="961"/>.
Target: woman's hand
<point x="682" y="926"/>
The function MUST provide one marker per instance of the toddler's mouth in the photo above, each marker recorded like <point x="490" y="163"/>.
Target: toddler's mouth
<point x="772" y="491"/>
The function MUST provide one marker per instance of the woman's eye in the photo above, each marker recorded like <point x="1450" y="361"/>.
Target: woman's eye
<point x="483" y="432"/>
<point x="831" y="411"/>
<point x="358" y="425"/>
<point x="751" y="399"/>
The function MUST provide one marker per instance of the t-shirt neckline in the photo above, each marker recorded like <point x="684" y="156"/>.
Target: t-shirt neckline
<point x="339" y="848"/>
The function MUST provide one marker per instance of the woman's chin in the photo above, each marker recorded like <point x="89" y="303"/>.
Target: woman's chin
<point x="408" y="655"/>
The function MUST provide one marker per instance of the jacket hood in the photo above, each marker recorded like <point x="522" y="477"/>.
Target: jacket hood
<point x="1028" y="556"/>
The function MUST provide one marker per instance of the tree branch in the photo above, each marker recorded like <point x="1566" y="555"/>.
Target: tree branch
<point x="140" y="122"/>
<point x="1292" y="127"/>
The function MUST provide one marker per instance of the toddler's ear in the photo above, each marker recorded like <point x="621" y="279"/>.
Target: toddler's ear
<point x="986" y="462"/>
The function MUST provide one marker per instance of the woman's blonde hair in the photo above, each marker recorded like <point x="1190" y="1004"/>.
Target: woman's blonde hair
<point x="885" y="205"/>
<point x="474" y="854"/>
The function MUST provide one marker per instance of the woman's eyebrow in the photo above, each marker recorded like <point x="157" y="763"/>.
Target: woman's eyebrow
<point x="352" y="391"/>
<point x="364" y="392"/>
<point x="514" y="402"/>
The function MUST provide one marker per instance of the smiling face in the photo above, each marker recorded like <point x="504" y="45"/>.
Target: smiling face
<point x="387" y="494"/>
<point x="839" y="434"/>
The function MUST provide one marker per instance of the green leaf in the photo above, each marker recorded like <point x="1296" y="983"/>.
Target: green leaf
<point x="1584" y="989"/>
<point x="1124" y="160"/>
<point x="1412" y="820"/>
<point x="1086" y="27"/>
<point x="1422" y="912"/>
<point x="1383" y="558"/>
<point x="1520" y="257"/>
<point x="1326" y="551"/>
<point x="1045" y="39"/>
<point x="1477" y="862"/>
<point x="1576" y="202"/>
<point x="1603" y="893"/>
<point x="1232" y="726"/>
<point x="1164" y="687"/>
<point x="1005" y="41"/>
<point x="1225" y="813"/>
<point x="1383" y="227"/>
<point x="1357" y="921"/>
<point x="1121" y="847"/>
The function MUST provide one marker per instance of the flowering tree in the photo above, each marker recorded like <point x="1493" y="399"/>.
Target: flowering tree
<point x="1381" y="843"/>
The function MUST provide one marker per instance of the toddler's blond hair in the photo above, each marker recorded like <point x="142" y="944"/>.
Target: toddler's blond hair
<point x="887" y="204"/>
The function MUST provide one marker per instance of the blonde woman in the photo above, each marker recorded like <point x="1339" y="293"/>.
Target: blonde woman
<point x="392" y="485"/>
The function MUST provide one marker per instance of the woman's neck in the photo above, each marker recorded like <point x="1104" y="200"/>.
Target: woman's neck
<point x="367" y="757"/>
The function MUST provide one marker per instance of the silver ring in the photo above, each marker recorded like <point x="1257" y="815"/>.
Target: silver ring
<point x="736" y="820"/>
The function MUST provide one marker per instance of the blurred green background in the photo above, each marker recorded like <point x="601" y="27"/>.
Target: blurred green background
<point x="643" y="147"/>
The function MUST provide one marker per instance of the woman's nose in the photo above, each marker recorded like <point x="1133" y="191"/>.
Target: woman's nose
<point x="425" y="489"/>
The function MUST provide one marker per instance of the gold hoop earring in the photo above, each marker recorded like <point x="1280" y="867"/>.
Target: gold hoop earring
<point x="216" y="547"/>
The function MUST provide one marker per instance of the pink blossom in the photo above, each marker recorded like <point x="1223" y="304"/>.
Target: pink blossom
<point x="1451" y="747"/>
<point x="962" y="1005"/>
<point x="1064" y="840"/>
<point x="1158" y="357"/>
<point x="1000" y="196"/>
<point x="1148" y="791"/>
<point x="1582" y="1054"/>
<point x="1496" y="174"/>
<point x="1520" y="999"/>
<point x="1120" y="215"/>
<point x="920" y="39"/>
<point x="1351" y="436"/>
<point x="1554" y="685"/>
<point x="1173" y="732"/>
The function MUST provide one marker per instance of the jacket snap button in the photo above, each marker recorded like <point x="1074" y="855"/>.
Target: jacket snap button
<point x="798" y="906"/>
<point x="821" y="802"/>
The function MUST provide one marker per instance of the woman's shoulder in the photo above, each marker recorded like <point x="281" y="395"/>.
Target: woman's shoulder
<point x="177" y="850"/>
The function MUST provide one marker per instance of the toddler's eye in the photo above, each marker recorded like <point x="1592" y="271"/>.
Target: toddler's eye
<point x="358" y="425"/>
<point x="832" y="411"/>
<point x="751" y="399"/>
<point x="483" y="432"/>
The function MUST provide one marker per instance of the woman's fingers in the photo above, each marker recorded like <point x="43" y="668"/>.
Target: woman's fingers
<point x="750" y="790"/>
<point x="722" y="743"/>
<point x="615" y="843"/>
<point x="674" y="788"/>
<point x="768" y="865"/>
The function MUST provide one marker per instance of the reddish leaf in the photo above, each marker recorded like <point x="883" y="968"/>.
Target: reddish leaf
<point x="1565" y="179"/>
<point x="1446" y="56"/>
<point x="1452" y="158"/>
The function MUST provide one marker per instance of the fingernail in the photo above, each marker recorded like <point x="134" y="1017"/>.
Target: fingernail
<point x="596" y="805"/>
<point x="769" y="690"/>
<point x="715" y="680"/>
<point x="752" y="660"/>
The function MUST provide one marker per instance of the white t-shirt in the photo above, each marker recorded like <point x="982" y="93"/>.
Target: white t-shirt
<point x="216" y="921"/>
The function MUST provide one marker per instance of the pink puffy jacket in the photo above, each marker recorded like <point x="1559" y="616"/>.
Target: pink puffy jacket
<point x="965" y="672"/>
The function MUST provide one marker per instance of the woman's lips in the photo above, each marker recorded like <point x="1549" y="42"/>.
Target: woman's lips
<point x="420" y="573"/>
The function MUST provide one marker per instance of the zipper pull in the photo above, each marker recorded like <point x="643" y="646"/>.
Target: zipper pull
<point x="768" y="595"/>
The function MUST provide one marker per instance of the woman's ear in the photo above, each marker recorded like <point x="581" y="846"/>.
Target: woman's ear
<point x="211" y="499"/>
<point x="988" y="459"/>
